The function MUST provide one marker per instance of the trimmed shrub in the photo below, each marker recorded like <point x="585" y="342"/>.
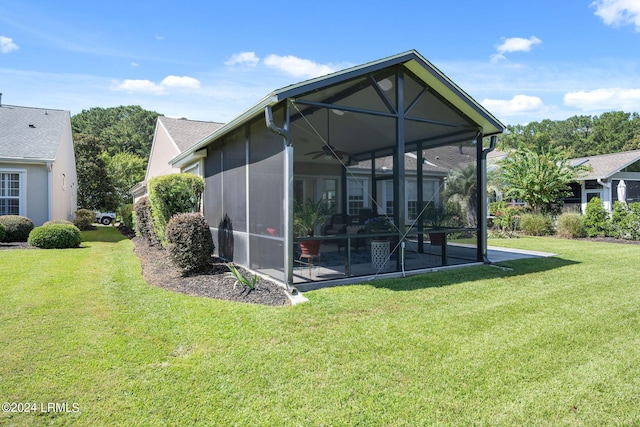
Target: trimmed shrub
<point x="142" y="220"/>
<point x="3" y="232"/>
<point x="58" y="221"/>
<point x="55" y="236"/>
<point x="595" y="218"/>
<point x="625" y="221"/>
<point x="570" y="226"/>
<point x="84" y="219"/>
<point x="536" y="224"/>
<point x="173" y="194"/>
<point x="189" y="242"/>
<point x="17" y="227"/>
<point x="126" y="215"/>
<point x="632" y="221"/>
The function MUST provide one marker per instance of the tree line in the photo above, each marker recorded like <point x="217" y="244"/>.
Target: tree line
<point x="112" y="147"/>
<point x="580" y="136"/>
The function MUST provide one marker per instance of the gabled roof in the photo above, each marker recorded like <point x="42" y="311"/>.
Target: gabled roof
<point x="412" y="60"/>
<point x="31" y="133"/>
<point x="606" y="165"/>
<point x="186" y="133"/>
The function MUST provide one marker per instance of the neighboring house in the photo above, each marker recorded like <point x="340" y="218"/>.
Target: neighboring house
<point x="171" y="138"/>
<point x="372" y="135"/>
<point x="604" y="176"/>
<point x="37" y="164"/>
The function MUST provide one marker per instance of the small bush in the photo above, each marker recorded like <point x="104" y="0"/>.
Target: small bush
<point x="142" y="220"/>
<point x="58" y="221"/>
<point x="126" y="215"/>
<point x="624" y="222"/>
<point x="55" y="236"/>
<point x="536" y="224"/>
<point x="189" y="241"/>
<point x="595" y="218"/>
<point x="84" y="219"/>
<point x="173" y="194"/>
<point x="632" y="221"/>
<point x="3" y="232"/>
<point x="570" y="226"/>
<point x="17" y="228"/>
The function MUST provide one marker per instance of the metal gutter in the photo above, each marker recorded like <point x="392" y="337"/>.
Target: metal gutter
<point x="482" y="198"/>
<point x="23" y="160"/>
<point x="288" y="192"/>
<point x="252" y="112"/>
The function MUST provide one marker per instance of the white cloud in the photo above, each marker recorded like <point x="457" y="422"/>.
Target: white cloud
<point x="143" y="86"/>
<point x="514" y="44"/>
<point x="248" y="59"/>
<point x="7" y="45"/>
<point x="147" y="86"/>
<point x="298" y="67"/>
<point x="181" y="82"/>
<point x="604" y="99"/>
<point x="518" y="105"/>
<point x="618" y="12"/>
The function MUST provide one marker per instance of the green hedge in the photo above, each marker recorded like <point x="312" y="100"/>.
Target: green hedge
<point x="189" y="242"/>
<point x="143" y="223"/>
<point x="624" y="222"/>
<point x="173" y="194"/>
<point x="55" y="236"/>
<point x="595" y="218"/>
<point x="17" y="228"/>
<point x="84" y="219"/>
<point x="126" y="215"/>
<point x="3" y="232"/>
<point x="58" y="221"/>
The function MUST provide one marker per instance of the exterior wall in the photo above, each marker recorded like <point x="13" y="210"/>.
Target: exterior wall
<point x="37" y="184"/>
<point x="64" y="180"/>
<point x="609" y="192"/>
<point x="34" y="202"/>
<point x="162" y="151"/>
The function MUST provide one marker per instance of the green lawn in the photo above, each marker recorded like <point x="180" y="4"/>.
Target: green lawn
<point x="551" y="342"/>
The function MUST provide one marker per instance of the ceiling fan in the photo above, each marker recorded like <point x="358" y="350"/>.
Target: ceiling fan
<point x="328" y="151"/>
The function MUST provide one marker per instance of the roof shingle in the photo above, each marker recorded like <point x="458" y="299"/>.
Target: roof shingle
<point x="605" y="165"/>
<point x="187" y="133"/>
<point x="31" y="133"/>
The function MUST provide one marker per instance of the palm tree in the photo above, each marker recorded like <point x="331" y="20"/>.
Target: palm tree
<point x="462" y="187"/>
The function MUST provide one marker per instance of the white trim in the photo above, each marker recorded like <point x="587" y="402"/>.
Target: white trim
<point x="49" y="190"/>
<point x="22" y="198"/>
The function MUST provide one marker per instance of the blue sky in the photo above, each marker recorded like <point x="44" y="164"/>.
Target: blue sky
<point x="523" y="60"/>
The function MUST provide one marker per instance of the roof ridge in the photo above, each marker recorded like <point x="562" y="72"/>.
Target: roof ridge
<point x="34" y="108"/>
<point x="190" y="120"/>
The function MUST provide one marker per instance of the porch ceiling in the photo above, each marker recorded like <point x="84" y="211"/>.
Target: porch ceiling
<point x="359" y="115"/>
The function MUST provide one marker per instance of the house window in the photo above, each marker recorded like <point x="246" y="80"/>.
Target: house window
<point x="357" y="196"/>
<point x="10" y="193"/>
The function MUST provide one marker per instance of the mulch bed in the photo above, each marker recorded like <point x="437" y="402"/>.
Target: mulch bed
<point x="158" y="270"/>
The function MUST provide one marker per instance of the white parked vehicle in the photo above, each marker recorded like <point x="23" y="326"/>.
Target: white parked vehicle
<point x="105" y="218"/>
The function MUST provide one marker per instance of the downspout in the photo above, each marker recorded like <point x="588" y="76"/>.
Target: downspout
<point x="288" y="195"/>
<point x="49" y="190"/>
<point x="482" y="203"/>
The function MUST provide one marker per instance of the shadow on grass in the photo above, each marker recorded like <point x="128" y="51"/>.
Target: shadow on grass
<point x="104" y="234"/>
<point x="512" y="268"/>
